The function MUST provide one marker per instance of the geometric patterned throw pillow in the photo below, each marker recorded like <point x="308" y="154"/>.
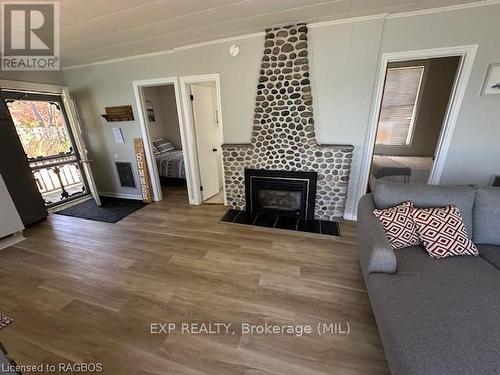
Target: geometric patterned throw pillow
<point x="4" y="321"/>
<point x="442" y="231"/>
<point x="399" y="225"/>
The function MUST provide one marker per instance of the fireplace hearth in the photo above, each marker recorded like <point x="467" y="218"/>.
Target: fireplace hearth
<point x="282" y="200"/>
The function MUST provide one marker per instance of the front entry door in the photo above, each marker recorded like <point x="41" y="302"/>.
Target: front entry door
<point x="76" y="129"/>
<point x="42" y="125"/>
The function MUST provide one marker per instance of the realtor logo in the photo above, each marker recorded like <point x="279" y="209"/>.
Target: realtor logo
<point x="30" y="35"/>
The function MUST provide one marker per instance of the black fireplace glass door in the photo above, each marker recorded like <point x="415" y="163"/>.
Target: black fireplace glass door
<point x="277" y="196"/>
<point x="279" y="200"/>
<point x="280" y="193"/>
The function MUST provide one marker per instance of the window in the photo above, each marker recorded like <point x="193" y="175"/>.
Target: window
<point x="399" y="106"/>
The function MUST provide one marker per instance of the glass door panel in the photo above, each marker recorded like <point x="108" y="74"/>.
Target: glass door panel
<point x="41" y="124"/>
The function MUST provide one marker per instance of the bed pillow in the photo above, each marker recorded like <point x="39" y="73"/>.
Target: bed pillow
<point x="156" y="142"/>
<point x="399" y="225"/>
<point x="163" y="147"/>
<point x="442" y="231"/>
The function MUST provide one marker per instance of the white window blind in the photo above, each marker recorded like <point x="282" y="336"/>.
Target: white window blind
<point x="399" y="103"/>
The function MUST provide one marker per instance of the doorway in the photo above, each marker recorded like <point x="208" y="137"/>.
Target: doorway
<point x="42" y="125"/>
<point x="159" y="105"/>
<point x="467" y="55"/>
<point x="414" y="102"/>
<point x="206" y="124"/>
<point x="200" y="129"/>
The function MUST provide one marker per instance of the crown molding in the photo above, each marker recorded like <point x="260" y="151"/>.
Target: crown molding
<point x="220" y="41"/>
<point x="317" y="25"/>
<point x="313" y="25"/>
<point x="449" y="8"/>
<point x="119" y="59"/>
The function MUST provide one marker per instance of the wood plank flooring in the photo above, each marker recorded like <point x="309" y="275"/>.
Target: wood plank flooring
<point x="84" y="291"/>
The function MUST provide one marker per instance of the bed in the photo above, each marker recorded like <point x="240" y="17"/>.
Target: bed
<point x="170" y="162"/>
<point x="403" y="169"/>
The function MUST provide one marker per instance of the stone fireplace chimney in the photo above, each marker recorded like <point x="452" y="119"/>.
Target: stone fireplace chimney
<point x="283" y="136"/>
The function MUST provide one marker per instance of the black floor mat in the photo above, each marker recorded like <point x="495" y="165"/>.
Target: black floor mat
<point x="111" y="210"/>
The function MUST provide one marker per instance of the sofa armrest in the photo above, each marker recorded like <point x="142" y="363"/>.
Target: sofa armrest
<point x="375" y="252"/>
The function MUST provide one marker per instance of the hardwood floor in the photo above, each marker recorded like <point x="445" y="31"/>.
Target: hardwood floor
<point x="84" y="291"/>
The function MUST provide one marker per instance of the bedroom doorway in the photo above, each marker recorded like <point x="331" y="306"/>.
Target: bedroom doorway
<point x="467" y="55"/>
<point x="162" y="121"/>
<point x="191" y="155"/>
<point x="414" y="103"/>
<point x="161" y="125"/>
<point x="416" y="107"/>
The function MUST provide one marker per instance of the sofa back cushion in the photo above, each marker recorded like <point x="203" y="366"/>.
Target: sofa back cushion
<point x="487" y="216"/>
<point x="387" y="194"/>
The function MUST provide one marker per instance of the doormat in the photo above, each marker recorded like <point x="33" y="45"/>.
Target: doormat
<point x="111" y="210"/>
<point x="330" y="228"/>
<point x="5" y="321"/>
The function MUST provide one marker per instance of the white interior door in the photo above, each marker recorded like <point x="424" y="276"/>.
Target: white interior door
<point x="207" y="138"/>
<point x="76" y="129"/>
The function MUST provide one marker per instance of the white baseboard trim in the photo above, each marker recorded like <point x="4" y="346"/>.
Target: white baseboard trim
<point x="120" y="195"/>
<point x="11" y="240"/>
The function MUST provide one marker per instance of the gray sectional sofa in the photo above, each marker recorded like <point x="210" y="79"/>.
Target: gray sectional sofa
<point x="6" y="363"/>
<point x="435" y="316"/>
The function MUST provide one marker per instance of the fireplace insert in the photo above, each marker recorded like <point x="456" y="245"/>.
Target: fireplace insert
<point x="280" y="193"/>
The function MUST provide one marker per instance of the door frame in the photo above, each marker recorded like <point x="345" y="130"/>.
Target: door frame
<point x="467" y="54"/>
<point x="146" y="136"/>
<point x="194" y="183"/>
<point x="35" y="88"/>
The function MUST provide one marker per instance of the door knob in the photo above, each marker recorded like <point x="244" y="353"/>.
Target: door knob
<point x="214" y="150"/>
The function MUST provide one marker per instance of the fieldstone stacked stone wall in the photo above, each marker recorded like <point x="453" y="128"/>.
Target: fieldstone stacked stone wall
<point x="283" y="136"/>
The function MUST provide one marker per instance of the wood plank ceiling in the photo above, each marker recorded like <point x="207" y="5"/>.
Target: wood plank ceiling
<point x="97" y="30"/>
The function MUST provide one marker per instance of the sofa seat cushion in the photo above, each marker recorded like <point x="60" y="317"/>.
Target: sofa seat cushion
<point x="490" y="253"/>
<point x="388" y="194"/>
<point x="487" y="216"/>
<point x="438" y="316"/>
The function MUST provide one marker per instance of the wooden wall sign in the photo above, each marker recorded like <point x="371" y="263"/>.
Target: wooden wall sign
<point x="119" y="113"/>
<point x="142" y="167"/>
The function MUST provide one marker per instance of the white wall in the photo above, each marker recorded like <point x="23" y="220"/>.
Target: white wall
<point x="46" y="77"/>
<point x="345" y="58"/>
<point x="152" y="97"/>
<point x="168" y="109"/>
<point x="96" y="87"/>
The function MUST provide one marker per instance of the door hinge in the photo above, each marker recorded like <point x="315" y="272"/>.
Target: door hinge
<point x="201" y="188"/>
<point x="191" y="97"/>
